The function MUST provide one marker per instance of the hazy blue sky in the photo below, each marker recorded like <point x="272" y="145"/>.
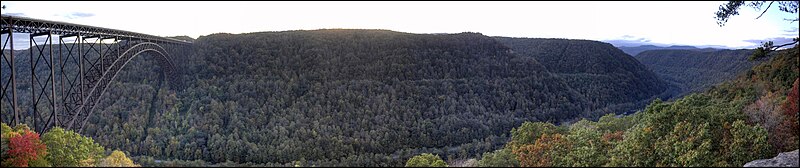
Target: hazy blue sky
<point x="660" y="23"/>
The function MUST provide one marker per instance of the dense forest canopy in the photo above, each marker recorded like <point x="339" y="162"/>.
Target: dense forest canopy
<point x="609" y="79"/>
<point x="753" y="116"/>
<point x="370" y="97"/>
<point x="354" y="94"/>
<point x="350" y="97"/>
<point x="353" y="97"/>
<point x="694" y="70"/>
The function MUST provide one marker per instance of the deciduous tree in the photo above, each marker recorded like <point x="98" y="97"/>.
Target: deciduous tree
<point x="426" y="160"/>
<point x="117" y="159"/>
<point x="68" y="148"/>
<point x="547" y="151"/>
<point x="499" y="158"/>
<point x="25" y="148"/>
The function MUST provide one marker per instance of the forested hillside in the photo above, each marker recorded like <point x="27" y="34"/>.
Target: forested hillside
<point x="754" y="116"/>
<point x="332" y="97"/>
<point x="353" y="97"/>
<point x="611" y="80"/>
<point x="696" y="71"/>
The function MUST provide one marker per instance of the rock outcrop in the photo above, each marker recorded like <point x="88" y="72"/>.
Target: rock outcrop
<point x="785" y="159"/>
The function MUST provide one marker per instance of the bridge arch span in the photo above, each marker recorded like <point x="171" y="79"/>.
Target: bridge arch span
<point x="84" y="64"/>
<point x="99" y="88"/>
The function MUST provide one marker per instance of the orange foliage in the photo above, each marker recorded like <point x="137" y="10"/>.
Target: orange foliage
<point x="612" y="137"/>
<point x="25" y="147"/>
<point x="540" y="154"/>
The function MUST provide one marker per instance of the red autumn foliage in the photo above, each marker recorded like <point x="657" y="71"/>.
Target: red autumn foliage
<point x="24" y="148"/>
<point x="788" y="128"/>
<point x="790" y="107"/>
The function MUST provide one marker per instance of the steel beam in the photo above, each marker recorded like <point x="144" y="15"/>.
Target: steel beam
<point x="9" y="42"/>
<point x="41" y="124"/>
<point x="87" y="67"/>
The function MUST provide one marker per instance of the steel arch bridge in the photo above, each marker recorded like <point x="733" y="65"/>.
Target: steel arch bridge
<point x="69" y="77"/>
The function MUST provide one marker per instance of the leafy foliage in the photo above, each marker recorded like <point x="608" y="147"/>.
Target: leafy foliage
<point x="749" y="143"/>
<point x="588" y="149"/>
<point x="5" y="134"/>
<point x="352" y="97"/>
<point x="278" y="97"/>
<point x="426" y="160"/>
<point x="24" y="147"/>
<point x="786" y="134"/>
<point x="612" y="81"/>
<point x="687" y="145"/>
<point x="117" y="159"/>
<point x="498" y="158"/>
<point x="763" y="90"/>
<point x="696" y="71"/>
<point x="529" y="132"/>
<point x="549" y="150"/>
<point x="349" y="97"/>
<point x="697" y="130"/>
<point x="68" y="148"/>
<point x="717" y="127"/>
<point x="727" y="10"/>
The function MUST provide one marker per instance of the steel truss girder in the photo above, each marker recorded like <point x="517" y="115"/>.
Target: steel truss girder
<point x="10" y="79"/>
<point x="86" y="65"/>
<point x="40" y="123"/>
<point x="112" y="70"/>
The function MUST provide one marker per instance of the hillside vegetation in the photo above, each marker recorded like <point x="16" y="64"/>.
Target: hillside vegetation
<point x="343" y="97"/>
<point x="281" y="97"/>
<point x="609" y="79"/>
<point x="754" y="116"/>
<point x="354" y="97"/>
<point x="696" y="71"/>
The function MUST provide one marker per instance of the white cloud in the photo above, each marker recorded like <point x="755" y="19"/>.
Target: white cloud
<point x="688" y="23"/>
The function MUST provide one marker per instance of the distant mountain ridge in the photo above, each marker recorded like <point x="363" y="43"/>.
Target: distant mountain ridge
<point x="633" y="51"/>
<point x="696" y="70"/>
<point x="612" y="80"/>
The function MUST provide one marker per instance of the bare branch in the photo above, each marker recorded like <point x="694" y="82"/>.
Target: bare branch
<point x="765" y="10"/>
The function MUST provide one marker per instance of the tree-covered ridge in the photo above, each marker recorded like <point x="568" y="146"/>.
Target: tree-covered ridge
<point x="381" y="55"/>
<point x="754" y="116"/>
<point x="331" y="97"/>
<point x="607" y="77"/>
<point x="633" y="51"/>
<point x="354" y="97"/>
<point x="696" y="71"/>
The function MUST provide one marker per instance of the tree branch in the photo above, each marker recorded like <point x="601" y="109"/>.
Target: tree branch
<point x="765" y="10"/>
<point x="777" y="47"/>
